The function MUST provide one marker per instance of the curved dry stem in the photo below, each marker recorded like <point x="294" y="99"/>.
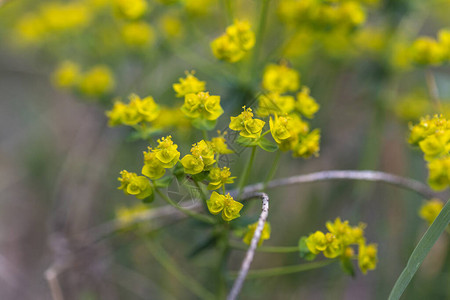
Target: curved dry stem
<point x="237" y="285"/>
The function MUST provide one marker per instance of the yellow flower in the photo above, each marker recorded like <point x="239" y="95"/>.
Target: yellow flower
<point x="65" y="16"/>
<point x="66" y="74"/>
<point x="444" y="41"/>
<point x="279" y="128"/>
<point x="274" y="103"/>
<point x="171" y="26"/>
<point x="280" y="78"/>
<point x="427" y="51"/>
<point x="219" y="145"/>
<point x="138" y="34"/>
<point x="117" y="114"/>
<point x="167" y="152"/>
<point x="147" y="108"/>
<point x="131" y="184"/>
<point x="430" y="210"/>
<point x="130" y="9"/>
<point x="320" y="242"/>
<point x="189" y="85"/>
<point x="346" y="234"/>
<point x="435" y="145"/>
<point x="248" y="127"/>
<point x="367" y="257"/>
<point x="426" y="127"/>
<point x="202" y="106"/>
<point x="286" y="130"/>
<point x="308" y="145"/>
<point x="235" y="43"/>
<point x="96" y="82"/>
<point x="305" y="104"/>
<point x="439" y="173"/>
<point x="31" y="28"/>
<point x="153" y="167"/>
<point x="265" y="234"/>
<point x="192" y="164"/>
<point x="219" y="177"/>
<point x="226" y="204"/>
<point x="204" y="151"/>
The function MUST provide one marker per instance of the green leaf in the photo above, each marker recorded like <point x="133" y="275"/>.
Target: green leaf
<point x="163" y="182"/>
<point x="246" y="142"/>
<point x="421" y="251"/>
<point x="304" y="250"/>
<point x="140" y="134"/>
<point x="347" y="266"/>
<point x="178" y="170"/>
<point x="200" y="176"/>
<point x="267" y="145"/>
<point x="204" y="124"/>
<point x="149" y="199"/>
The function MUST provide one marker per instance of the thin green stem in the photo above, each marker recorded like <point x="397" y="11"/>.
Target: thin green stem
<point x="273" y="169"/>
<point x="287" y="270"/>
<point x="246" y="172"/>
<point x="244" y="247"/>
<point x="205" y="135"/>
<point x="189" y="212"/>
<point x="187" y="281"/>
<point x="265" y="133"/>
<point x="229" y="10"/>
<point x="259" y="34"/>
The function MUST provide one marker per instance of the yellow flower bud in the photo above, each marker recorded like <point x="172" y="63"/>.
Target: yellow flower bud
<point x="167" y="152"/>
<point x="219" y="177"/>
<point x="367" y="257"/>
<point x="189" y="85"/>
<point x="66" y="75"/>
<point x="138" y="34"/>
<point x="427" y="51"/>
<point x="265" y="234"/>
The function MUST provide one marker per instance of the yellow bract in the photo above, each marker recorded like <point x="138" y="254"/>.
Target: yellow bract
<point x="246" y="125"/>
<point x="136" y="111"/>
<point x="430" y="210"/>
<point x="226" y="204"/>
<point x="202" y="106"/>
<point x="308" y="145"/>
<point x="219" y="145"/>
<point x="200" y="159"/>
<point x="138" y="34"/>
<point x="97" y="81"/>
<point x="367" y="257"/>
<point x="132" y="184"/>
<point x="280" y="78"/>
<point x="189" y="85"/>
<point x="306" y="104"/>
<point x="130" y="9"/>
<point x="234" y="43"/>
<point x="265" y="234"/>
<point x="66" y="75"/>
<point x="219" y="177"/>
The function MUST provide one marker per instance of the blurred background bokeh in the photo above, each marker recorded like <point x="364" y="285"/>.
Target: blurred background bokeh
<point x="59" y="160"/>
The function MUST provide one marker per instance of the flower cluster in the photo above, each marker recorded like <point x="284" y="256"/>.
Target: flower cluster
<point x="247" y="126"/>
<point x="219" y="177"/>
<point x="338" y="241"/>
<point x="132" y="184"/>
<point x="189" y="85"/>
<point x="432" y="135"/>
<point x="200" y="159"/>
<point x="234" y="43"/>
<point x="138" y="34"/>
<point x="226" y="204"/>
<point x="430" y="210"/>
<point x="95" y="82"/>
<point x="136" y="111"/>
<point x="165" y="156"/>
<point x="428" y="51"/>
<point x="265" y="234"/>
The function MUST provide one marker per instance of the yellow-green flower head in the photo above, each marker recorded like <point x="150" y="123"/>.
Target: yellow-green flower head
<point x="189" y="85"/>
<point x="226" y="204"/>
<point x="308" y="145"/>
<point x="427" y="126"/>
<point x="96" y="82"/>
<point x="346" y="234"/>
<point x="138" y="34"/>
<point x="204" y="151"/>
<point x="224" y="48"/>
<point x="219" y="144"/>
<point x="352" y="13"/>
<point x="132" y="184"/>
<point x="292" y="124"/>
<point x="265" y="234"/>
<point x="171" y="117"/>
<point x="147" y="108"/>
<point x="202" y="105"/>
<point x="439" y="173"/>
<point x="427" y="51"/>
<point x="435" y="145"/>
<point x="130" y="9"/>
<point x="127" y="215"/>
<point x="444" y="41"/>
<point x="66" y="74"/>
<point x="367" y="257"/>
<point x="327" y="243"/>
<point x="306" y="104"/>
<point x="273" y="103"/>
<point x="412" y="106"/>
<point x="240" y="32"/>
<point x="198" y="7"/>
<point x="153" y="168"/>
<point x="64" y="16"/>
<point x="192" y="164"/>
<point x="430" y="210"/>
<point x="248" y="127"/>
<point x="280" y="128"/>
<point x="171" y="26"/>
<point x="117" y="114"/>
<point x="280" y="78"/>
<point x="167" y="152"/>
<point x="219" y="177"/>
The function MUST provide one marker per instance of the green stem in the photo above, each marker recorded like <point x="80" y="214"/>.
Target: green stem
<point x="244" y="247"/>
<point x="205" y="135"/>
<point x="222" y="263"/>
<point x="262" y="135"/>
<point x="190" y="213"/>
<point x="166" y="261"/>
<point x="287" y="270"/>
<point x="229" y="11"/>
<point x="246" y="172"/>
<point x="259" y="34"/>
<point x="273" y="169"/>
